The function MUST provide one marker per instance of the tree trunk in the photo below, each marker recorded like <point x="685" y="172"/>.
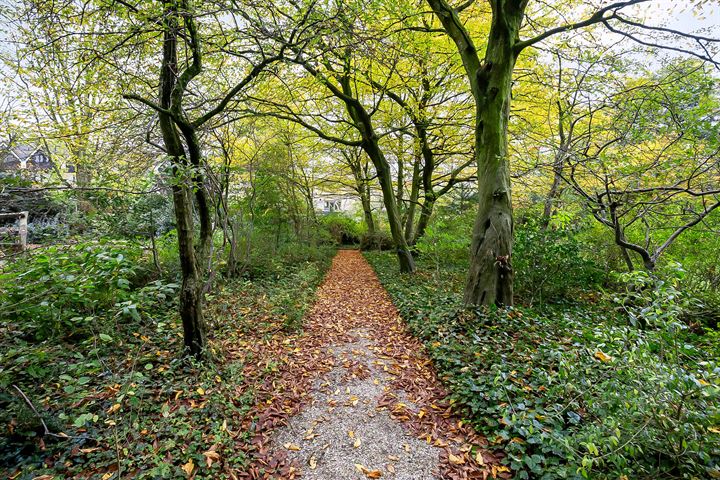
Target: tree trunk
<point x="554" y="191"/>
<point x="191" y="293"/>
<point x="490" y="277"/>
<point x="628" y="261"/>
<point x="407" y="264"/>
<point x="426" y="211"/>
<point x="412" y="205"/>
<point x="363" y="123"/>
<point x="367" y="212"/>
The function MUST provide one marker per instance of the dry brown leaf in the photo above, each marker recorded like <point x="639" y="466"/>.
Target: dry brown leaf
<point x="292" y="446"/>
<point x="454" y="459"/>
<point x="603" y="357"/>
<point x="210" y="457"/>
<point x="369" y="473"/>
<point x="312" y="462"/>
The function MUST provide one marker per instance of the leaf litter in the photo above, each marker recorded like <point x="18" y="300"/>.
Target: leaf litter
<point x="355" y="396"/>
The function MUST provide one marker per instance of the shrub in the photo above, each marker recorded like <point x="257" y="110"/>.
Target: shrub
<point x="60" y="290"/>
<point x="343" y="229"/>
<point x="551" y="264"/>
<point x="376" y="241"/>
<point x="572" y="393"/>
<point x="446" y="242"/>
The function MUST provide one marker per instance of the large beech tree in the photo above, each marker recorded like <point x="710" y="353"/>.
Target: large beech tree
<point x="490" y="277"/>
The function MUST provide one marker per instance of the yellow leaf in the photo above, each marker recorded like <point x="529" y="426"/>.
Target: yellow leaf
<point x="292" y="446"/>
<point x="313" y="462"/>
<point x="603" y="357"/>
<point x="479" y="458"/>
<point x="456" y="459"/>
<point x="200" y="391"/>
<point x="714" y="429"/>
<point x="108" y="475"/>
<point x="351" y="434"/>
<point x="189" y="467"/>
<point x="113" y="409"/>
<point x="357" y="442"/>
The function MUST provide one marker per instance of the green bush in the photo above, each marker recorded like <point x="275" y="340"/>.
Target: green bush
<point x="572" y="393"/>
<point x="376" y="241"/>
<point x="551" y="264"/>
<point x="447" y="241"/>
<point x="65" y="290"/>
<point x="343" y="230"/>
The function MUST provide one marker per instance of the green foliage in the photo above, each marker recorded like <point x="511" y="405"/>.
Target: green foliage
<point x="63" y="290"/>
<point x="380" y="240"/>
<point x="124" y="396"/>
<point x="551" y="264"/>
<point x="343" y="230"/>
<point x="269" y="260"/>
<point x="576" y="393"/>
<point x="447" y="241"/>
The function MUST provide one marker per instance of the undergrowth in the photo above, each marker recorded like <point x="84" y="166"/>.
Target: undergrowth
<point x="572" y="391"/>
<point x="91" y="381"/>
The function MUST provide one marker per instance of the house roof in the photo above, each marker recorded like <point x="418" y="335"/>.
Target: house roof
<point x="12" y="157"/>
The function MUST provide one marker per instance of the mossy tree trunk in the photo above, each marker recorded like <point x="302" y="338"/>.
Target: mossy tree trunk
<point x="185" y="179"/>
<point x="490" y="276"/>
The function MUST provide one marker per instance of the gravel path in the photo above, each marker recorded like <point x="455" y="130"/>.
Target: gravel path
<point x="356" y="396"/>
<point x="344" y="434"/>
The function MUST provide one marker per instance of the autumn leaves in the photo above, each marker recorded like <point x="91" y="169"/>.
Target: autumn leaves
<point x="357" y="398"/>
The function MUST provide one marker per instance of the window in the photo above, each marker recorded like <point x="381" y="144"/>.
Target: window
<point x="332" y="206"/>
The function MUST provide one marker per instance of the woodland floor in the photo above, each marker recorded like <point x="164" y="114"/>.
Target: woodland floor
<point x="355" y="396"/>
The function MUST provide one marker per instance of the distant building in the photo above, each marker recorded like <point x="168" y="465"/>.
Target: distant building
<point x="335" y="202"/>
<point x="32" y="161"/>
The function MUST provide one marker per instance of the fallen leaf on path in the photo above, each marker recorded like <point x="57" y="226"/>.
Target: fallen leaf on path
<point x="368" y="472"/>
